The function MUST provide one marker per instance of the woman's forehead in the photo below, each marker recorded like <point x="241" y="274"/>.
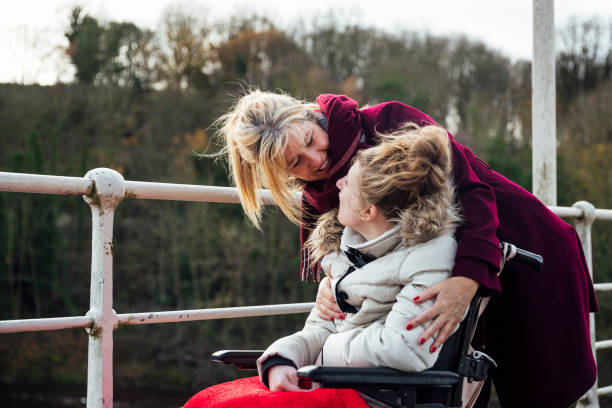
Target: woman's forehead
<point x="294" y="143"/>
<point x="354" y="170"/>
<point x="296" y="135"/>
<point x="298" y="129"/>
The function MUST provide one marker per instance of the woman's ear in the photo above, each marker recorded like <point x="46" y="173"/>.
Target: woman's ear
<point x="369" y="213"/>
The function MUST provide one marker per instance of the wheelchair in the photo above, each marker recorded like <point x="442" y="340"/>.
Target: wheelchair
<point x="438" y="387"/>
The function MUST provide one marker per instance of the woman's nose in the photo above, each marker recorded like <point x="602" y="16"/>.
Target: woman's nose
<point x="315" y="159"/>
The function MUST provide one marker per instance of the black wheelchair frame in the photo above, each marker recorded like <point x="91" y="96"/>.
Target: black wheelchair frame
<point x="438" y="387"/>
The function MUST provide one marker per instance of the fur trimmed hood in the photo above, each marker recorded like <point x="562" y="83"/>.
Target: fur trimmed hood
<point x="426" y="219"/>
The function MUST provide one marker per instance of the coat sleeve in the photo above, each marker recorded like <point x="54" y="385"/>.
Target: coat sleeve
<point x="478" y="255"/>
<point x="302" y="348"/>
<point x="388" y="343"/>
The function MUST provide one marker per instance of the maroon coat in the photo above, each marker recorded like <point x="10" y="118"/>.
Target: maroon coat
<point x="536" y="326"/>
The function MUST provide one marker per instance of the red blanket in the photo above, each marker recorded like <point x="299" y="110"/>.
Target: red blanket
<point x="250" y="392"/>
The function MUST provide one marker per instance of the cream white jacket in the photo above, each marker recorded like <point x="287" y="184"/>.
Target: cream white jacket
<point x="382" y="292"/>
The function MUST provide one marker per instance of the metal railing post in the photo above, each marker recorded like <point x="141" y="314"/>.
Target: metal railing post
<point x="543" y="120"/>
<point x="108" y="191"/>
<point x="583" y="227"/>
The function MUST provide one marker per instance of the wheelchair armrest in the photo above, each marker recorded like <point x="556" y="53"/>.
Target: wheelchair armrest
<point x="355" y="377"/>
<point x="242" y="359"/>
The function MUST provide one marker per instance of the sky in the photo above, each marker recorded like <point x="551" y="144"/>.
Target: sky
<point x="32" y="40"/>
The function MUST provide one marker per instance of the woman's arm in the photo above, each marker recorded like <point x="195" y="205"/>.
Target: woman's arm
<point x="301" y="348"/>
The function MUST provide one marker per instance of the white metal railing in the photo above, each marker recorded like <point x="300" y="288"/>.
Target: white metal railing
<point x="103" y="189"/>
<point x="543" y="112"/>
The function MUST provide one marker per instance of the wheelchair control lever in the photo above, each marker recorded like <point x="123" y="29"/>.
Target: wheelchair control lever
<point x="510" y="251"/>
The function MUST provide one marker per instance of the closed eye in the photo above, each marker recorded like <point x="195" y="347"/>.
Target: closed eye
<point x="310" y="140"/>
<point x="296" y="162"/>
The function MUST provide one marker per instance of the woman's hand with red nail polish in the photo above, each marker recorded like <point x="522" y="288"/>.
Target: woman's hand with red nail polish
<point x="452" y="298"/>
<point x="326" y="305"/>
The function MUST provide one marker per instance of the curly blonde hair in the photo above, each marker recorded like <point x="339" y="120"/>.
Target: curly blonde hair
<point x="256" y="132"/>
<point x="408" y="177"/>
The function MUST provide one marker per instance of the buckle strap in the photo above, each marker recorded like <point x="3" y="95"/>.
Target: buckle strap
<point x="475" y="366"/>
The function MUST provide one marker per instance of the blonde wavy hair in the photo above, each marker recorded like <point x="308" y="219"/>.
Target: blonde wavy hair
<point x="256" y="132"/>
<point x="408" y="177"/>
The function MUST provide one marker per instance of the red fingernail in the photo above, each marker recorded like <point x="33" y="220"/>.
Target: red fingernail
<point x="432" y="349"/>
<point x="416" y="298"/>
<point x="331" y="320"/>
<point x="421" y="340"/>
<point x="409" y="326"/>
<point x="341" y="317"/>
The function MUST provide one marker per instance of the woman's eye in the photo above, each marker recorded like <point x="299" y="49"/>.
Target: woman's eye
<point x="310" y="141"/>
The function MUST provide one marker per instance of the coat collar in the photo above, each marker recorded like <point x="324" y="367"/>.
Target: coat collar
<point x="376" y="247"/>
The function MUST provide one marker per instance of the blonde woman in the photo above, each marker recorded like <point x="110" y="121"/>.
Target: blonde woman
<point x="275" y="141"/>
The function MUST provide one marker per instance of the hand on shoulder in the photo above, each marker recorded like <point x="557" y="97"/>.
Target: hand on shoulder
<point x="453" y="297"/>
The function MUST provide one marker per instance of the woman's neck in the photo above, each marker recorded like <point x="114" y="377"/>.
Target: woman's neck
<point x="375" y="228"/>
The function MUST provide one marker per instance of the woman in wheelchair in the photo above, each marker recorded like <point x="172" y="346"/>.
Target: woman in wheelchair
<point x="278" y="142"/>
<point x="390" y="239"/>
<point x="398" y="212"/>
